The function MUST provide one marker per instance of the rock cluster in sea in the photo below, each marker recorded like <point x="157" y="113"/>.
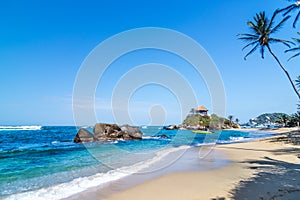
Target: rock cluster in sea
<point x="108" y="132"/>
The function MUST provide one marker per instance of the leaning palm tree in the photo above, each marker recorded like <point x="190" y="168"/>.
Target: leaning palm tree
<point x="291" y="8"/>
<point x="296" y="49"/>
<point x="262" y="28"/>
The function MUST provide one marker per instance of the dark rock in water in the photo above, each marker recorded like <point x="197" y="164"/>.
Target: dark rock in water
<point x="103" y="132"/>
<point x="126" y="136"/>
<point x="133" y="132"/>
<point x="163" y="136"/>
<point x="83" y="135"/>
<point x="170" y="127"/>
<point x="107" y="131"/>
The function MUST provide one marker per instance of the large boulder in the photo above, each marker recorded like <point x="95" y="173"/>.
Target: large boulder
<point x="83" y="135"/>
<point x="131" y="131"/>
<point x="107" y="131"/>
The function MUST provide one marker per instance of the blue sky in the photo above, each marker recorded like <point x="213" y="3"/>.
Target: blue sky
<point x="43" y="44"/>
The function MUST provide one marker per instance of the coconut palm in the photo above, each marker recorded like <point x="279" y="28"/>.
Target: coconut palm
<point x="291" y="8"/>
<point x="193" y="111"/>
<point x="298" y="85"/>
<point x="230" y="117"/>
<point x="296" y="49"/>
<point x="237" y="121"/>
<point x="262" y="29"/>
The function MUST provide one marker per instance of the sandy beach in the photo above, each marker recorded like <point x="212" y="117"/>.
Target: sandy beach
<point x="263" y="169"/>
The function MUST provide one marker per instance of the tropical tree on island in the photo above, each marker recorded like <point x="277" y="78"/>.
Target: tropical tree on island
<point x="298" y="85"/>
<point x="230" y="117"/>
<point x="193" y="111"/>
<point x="260" y="37"/>
<point x="237" y="121"/>
<point x="295" y="49"/>
<point x="291" y="8"/>
<point x="294" y="119"/>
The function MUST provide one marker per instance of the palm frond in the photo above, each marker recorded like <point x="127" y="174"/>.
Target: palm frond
<point x="250" y="44"/>
<point x="298" y="81"/>
<point x="293" y="49"/>
<point x="272" y="21"/>
<point x="297" y="49"/>
<point x="246" y="34"/>
<point x="247" y="37"/>
<point x="279" y="25"/>
<point x="296" y="40"/>
<point x="297" y="54"/>
<point x="253" y="27"/>
<point x="262" y="51"/>
<point x="288" y="9"/>
<point x="251" y="51"/>
<point x="285" y="42"/>
<point x="296" y="20"/>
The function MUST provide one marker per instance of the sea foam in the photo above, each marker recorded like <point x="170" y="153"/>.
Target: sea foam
<point x="81" y="184"/>
<point x="17" y="128"/>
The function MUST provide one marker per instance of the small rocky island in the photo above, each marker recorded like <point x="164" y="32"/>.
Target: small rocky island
<point x="108" y="132"/>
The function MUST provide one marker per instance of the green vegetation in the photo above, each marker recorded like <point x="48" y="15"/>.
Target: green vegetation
<point x="272" y="118"/>
<point x="195" y="120"/>
<point x="294" y="120"/>
<point x="298" y="85"/>
<point x="205" y="122"/>
<point x="279" y="118"/>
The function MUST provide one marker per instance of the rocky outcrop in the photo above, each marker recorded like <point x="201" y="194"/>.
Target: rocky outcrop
<point x="83" y="135"/>
<point x="171" y="127"/>
<point x="131" y="131"/>
<point x="108" y="132"/>
<point x="163" y="136"/>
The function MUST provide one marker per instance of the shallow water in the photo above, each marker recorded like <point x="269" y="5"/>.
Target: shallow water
<point x="43" y="162"/>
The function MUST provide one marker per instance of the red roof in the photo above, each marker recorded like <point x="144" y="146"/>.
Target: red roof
<point x="201" y="108"/>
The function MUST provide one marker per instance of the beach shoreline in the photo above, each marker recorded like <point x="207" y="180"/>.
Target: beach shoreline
<point x="247" y="161"/>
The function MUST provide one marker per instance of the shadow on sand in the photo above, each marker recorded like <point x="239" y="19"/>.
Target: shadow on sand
<point x="278" y="180"/>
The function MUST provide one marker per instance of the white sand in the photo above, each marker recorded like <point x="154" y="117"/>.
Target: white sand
<point x="247" y="160"/>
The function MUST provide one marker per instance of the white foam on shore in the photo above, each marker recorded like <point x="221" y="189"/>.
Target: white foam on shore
<point x="151" y="137"/>
<point x="234" y="140"/>
<point x="81" y="184"/>
<point x="17" y="128"/>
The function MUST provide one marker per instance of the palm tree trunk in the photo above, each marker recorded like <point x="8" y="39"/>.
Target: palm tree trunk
<point x="282" y="67"/>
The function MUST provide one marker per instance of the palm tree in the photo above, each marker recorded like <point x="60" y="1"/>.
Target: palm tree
<point x="237" y="121"/>
<point x="291" y="8"/>
<point x="297" y="40"/>
<point x="193" y="111"/>
<point x="262" y="28"/>
<point x="230" y="117"/>
<point x="298" y="85"/>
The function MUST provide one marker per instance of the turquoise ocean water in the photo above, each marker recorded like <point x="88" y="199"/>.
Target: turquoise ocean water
<point x="44" y="163"/>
